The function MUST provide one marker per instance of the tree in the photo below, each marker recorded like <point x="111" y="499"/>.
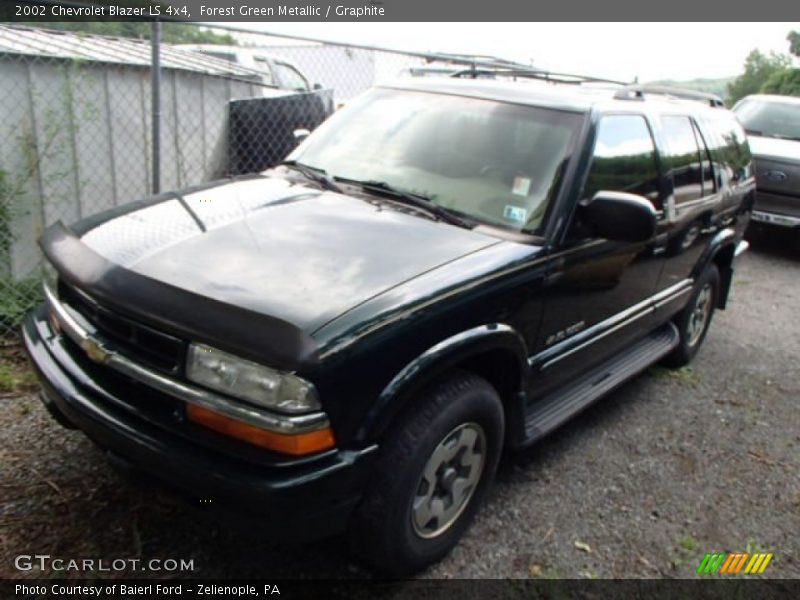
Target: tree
<point x="794" y="42"/>
<point x="758" y="68"/>
<point x="171" y="33"/>
<point x="784" y="83"/>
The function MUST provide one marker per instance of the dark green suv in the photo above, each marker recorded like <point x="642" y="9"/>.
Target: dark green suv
<point x="444" y="268"/>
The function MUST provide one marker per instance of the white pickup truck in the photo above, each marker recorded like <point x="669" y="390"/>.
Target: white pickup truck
<point x="274" y="71"/>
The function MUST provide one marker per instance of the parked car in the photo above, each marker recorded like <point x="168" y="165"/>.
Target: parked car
<point x="773" y="128"/>
<point x="274" y="71"/>
<point x="443" y="269"/>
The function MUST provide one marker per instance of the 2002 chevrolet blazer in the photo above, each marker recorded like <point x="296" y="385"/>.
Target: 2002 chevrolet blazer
<point x="442" y="269"/>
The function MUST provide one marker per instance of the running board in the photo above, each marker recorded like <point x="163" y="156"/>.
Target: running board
<point x="546" y="414"/>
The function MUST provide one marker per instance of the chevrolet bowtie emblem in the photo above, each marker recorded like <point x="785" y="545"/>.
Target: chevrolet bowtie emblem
<point x="95" y="351"/>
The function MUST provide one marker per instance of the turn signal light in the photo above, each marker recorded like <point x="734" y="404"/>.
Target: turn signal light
<point x="297" y="444"/>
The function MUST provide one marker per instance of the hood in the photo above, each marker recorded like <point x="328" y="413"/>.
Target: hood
<point x="279" y="249"/>
<point x="767" y="147"/>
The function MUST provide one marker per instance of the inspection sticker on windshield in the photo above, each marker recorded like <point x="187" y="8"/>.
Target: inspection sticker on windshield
<point x="515" y="213"/>
<point x="521" y="187"/>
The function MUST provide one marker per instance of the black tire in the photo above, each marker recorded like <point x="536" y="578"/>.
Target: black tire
<point x="692" y="335"/>
<point x="385" y="532"/>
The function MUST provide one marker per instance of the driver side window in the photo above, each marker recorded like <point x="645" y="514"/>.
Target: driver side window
<point x="624" y="159"/>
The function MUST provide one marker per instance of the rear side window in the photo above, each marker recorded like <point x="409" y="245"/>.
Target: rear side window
<point x="706" y="168"/>
<point x="728" y="147"/>
<point x="624" y="159"/>
<point x="682" y="158"/>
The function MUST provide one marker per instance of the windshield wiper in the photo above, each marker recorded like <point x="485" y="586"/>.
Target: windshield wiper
<point x="412" y="199"/>
<point x="315" y="174"/>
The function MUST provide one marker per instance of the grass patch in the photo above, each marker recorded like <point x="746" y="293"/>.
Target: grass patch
<point x="687" y="556"/>
<point x="16" y="376"/>
<point x="684" y="376"/>
<point x="754" y="546"/>
<point x="688" y="543"/>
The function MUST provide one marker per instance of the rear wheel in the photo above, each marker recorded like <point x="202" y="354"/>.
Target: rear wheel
<point x="694" y="320"/>
<point x="435" y="469"/>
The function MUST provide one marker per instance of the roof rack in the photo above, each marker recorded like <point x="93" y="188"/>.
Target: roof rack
<point x="514" y="72"/>
<point x="639" y="92"/>
<point x="475" y="61"/>
<point x="477" y="65"/>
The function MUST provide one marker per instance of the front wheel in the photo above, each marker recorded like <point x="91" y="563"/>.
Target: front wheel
<point x="434" y="471"/>
<point x="693" y="321"/>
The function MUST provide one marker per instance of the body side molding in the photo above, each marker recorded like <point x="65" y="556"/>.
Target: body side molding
<point x="550" y="356"/>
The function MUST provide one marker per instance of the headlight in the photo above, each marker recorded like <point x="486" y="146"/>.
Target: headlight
<point x="250" y="381"/>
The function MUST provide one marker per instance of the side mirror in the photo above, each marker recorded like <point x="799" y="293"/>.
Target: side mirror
<point x="317" y="87"/>
<point x="300" y="134"/>
<point x="619" y="216"/>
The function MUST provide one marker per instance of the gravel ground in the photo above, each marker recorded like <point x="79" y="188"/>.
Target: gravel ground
<point x="672" y="465"/>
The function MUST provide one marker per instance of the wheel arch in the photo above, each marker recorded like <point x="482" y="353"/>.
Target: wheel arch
<point x="720" y="252"/>
<point x="497" y="352"/>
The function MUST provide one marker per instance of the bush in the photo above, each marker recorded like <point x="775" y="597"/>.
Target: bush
<point x="17" y="298"/>
<point x="785" y="83"/>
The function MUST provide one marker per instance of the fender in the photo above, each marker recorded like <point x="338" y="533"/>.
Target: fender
<point x="721" y="249"/>
<point x="431" y="363"/>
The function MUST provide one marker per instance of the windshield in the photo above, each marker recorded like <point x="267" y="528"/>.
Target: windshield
<point x="770" y="118"/>
<point x="496" y="163"/>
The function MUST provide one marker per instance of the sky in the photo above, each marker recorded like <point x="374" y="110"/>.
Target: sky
<point x="649" y="51"/>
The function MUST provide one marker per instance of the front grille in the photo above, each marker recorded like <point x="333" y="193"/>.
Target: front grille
<point x="136" y="340"/>
<point x="777" y="176"/>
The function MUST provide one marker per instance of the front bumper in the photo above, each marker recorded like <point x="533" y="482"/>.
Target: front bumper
<point x="300" y="499"/>
<point x="775" y="219"/>
<point x="777" y="209"/>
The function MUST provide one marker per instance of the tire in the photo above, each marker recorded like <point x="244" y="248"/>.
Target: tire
<point x="458" y="422"/>
<point x="693" y="321"/>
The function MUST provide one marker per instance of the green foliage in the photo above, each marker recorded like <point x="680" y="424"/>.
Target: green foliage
<point x="758" y="68"/>
<point x="688" y="543"/>
<point x="5" y="214"/>
<point x="16" y="378"/>
<point x="171" y="33"/>
<point x="794" y="42"/>
<point x="17" y="300"/>
<point x="785" y="83"/>
<point x="711" y="86"/>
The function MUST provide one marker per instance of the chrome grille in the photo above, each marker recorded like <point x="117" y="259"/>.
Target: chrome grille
<point x="140" y="342"/>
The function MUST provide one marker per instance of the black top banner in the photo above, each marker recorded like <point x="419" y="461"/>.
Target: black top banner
<point x="400" y="10"/>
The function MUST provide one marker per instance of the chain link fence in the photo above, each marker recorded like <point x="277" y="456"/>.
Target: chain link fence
<point x="76" y="123"/>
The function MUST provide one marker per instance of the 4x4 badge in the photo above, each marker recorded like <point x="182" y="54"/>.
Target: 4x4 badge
<point x="565" y="333"/>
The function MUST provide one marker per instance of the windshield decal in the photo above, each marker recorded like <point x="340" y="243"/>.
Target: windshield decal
<point x="522" y="186"/>
<point x="515" y="213"/>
